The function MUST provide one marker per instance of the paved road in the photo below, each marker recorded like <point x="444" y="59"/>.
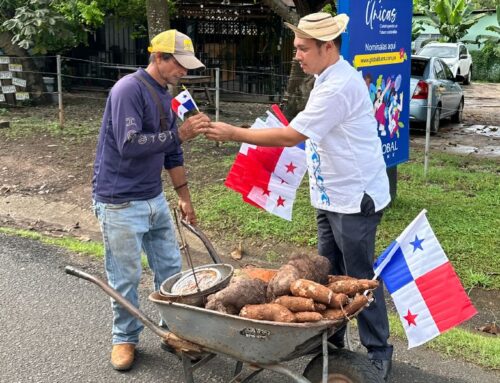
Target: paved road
<point x="56" y="328"/>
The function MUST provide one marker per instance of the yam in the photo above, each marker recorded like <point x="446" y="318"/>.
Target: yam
<point x="268" y="311"/>
<point x="238" y="294"/>
<point x="351" y="287"/>
<point x="333" y="314"/>
<point x="338" y="301"/>
<point x="309" y="289"/>
<point x="308" y="316"/>
<point x="335" y="278"/>
<point x="318" y="307"/>
<point x="296" y="304"/>
<point x="314" y="268"/>
<point x="359" y="301"/>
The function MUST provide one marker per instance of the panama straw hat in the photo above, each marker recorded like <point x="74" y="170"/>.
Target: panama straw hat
<point x="320" y="26"/>
<point x="179" y="45"/>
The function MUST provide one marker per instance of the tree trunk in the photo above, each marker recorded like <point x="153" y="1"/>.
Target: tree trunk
<point x="34" y="80"/>
<point x="299" y="84"/>
<point x="158" y="17"/>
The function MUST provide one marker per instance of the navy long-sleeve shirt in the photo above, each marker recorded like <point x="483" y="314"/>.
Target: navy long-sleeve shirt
<point x="132" y="149"/>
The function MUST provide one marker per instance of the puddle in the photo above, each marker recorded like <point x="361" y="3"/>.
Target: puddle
<point x="484" y="130"/>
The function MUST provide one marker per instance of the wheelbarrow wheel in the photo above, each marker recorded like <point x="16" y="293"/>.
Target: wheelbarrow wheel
<point x="343" y="367"/>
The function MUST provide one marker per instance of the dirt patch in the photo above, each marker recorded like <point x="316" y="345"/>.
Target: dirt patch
<point x="45" y="184"/>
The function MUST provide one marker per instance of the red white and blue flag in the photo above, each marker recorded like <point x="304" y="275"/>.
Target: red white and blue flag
<point x="183" y="103"/>
<point x="426" y="290"/>
<point x="268" y="177"/>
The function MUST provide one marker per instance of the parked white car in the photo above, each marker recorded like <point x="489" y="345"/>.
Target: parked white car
<point x="455" y="55"/>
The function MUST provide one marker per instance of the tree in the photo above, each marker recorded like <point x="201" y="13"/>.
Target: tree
<point x="299" y="84"/>
<point x="452" y="18"/>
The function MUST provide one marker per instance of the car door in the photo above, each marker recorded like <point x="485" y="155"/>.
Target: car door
<point x="463" y="60"/>
<point x="442" y="87"/>
<point x="455" y="92"/>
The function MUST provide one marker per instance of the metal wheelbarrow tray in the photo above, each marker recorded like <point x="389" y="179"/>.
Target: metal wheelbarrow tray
<point x="197" y="335"/>
<point x="249" y="340"/>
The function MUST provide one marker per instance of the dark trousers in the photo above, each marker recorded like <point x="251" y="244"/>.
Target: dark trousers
<point x="348" y="241"/>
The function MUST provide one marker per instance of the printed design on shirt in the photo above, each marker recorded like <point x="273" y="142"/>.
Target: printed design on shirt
<point x="162" y="137"/>
<point x="131" y="135"/>
<point x="320" y="181"/>
<point x="143" y="139"/>
<point x="130" y="121"/>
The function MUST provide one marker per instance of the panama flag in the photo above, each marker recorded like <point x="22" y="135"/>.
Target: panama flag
<point x="268" y="177"/>
<point x="426" y="290"/>
<point x="183" y="103"/>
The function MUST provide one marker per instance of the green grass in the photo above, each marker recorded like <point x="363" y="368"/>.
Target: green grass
<point x="479" y="349"/>
<point x="461" y="195"/>
<point x="93" y="249"/>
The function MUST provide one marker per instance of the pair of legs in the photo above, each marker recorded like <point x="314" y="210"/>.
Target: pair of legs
<point x="128" y="229"/>
<point x="348" y="241"/>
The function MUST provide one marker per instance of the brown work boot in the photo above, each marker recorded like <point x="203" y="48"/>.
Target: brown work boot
<point x="122" y="356"/>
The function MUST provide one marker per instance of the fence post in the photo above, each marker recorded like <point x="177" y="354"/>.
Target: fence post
<point x="217" y="89"/>
<point x="59" y="91"/>
<point x="428" y="129"/>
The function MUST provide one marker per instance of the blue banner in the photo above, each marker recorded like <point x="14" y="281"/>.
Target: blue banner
<point x="378" y="44"/>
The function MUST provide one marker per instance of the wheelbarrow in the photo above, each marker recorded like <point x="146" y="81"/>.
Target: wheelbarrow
<point x="197" y="335"/>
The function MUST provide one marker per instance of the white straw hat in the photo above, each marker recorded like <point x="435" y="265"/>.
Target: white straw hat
<point x="320" y="26"/>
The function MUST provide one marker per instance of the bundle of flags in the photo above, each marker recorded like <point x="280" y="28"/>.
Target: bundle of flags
<point x="426" y="290"/>
<point x="268" y="177"/>
<point x="183" y="103"/>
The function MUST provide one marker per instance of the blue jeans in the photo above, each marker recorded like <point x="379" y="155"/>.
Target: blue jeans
<point x="128" y="229"/>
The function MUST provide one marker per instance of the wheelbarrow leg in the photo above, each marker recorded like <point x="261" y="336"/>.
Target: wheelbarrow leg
<point x="188" y="370"/>
<point x="237" y="369"/>
<point x="325" y="357"/>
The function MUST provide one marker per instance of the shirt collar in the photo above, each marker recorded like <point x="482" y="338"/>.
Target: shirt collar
<point x="150" y="79"/>
<point x="329" y="72"/>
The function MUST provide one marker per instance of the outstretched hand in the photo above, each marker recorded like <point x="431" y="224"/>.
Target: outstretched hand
<point x="219" y="131"/>
<point x="193" y="126"/>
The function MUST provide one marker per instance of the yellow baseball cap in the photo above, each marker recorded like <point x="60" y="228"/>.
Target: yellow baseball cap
<point x="179" y="45"/>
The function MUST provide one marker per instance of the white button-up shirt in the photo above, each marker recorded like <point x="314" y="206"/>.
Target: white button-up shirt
<point x="344" y="153"/>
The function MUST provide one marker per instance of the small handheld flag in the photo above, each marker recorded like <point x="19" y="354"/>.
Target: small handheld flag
<point x="183" y="103"/>
<point x="268" y="177"/>
<point x="426" y="290"/>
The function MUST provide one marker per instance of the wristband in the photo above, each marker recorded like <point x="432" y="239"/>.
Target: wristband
<point x="180" y="186"/>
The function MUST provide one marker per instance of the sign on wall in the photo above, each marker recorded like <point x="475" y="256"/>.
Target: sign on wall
<point x="378" y="44"/>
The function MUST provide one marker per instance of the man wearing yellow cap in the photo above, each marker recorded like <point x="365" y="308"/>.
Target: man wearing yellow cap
<point x="138" y="138"/>
<point x="347" y="175"/>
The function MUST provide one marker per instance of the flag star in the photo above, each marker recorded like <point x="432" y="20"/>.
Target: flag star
<point x="417" y="243"/>
<point x="410" y="318"/>
<point x="266" y="192"/>
<point x="280" y="202"/>
<point x="290" y="168"/>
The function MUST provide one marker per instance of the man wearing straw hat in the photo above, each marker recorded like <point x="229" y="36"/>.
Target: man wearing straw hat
<point x="138" y="138"/>
<point x="347" y="175"/>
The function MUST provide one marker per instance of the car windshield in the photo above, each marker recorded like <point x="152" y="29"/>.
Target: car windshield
<point x="439" y="51"/>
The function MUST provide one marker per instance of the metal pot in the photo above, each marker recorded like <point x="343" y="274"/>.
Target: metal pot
<point x="177" y="289"/>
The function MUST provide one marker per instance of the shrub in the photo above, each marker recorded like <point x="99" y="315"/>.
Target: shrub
<point x="486" y="64"/>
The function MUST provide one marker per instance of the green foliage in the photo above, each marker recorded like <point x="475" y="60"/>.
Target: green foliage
<point x="487" y="61"/>
<point x="459" y="343"/>
<point x="54" y="25"/>
<point x="453" y="18"/>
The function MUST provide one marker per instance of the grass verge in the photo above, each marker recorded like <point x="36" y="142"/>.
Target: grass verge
<point x="461" y="195"/>
<point x="479" y="349"/>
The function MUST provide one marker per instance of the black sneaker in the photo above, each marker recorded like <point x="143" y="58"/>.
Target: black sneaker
<point x="384" y="366"/>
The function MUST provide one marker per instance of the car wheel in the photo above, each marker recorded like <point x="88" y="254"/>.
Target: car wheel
<point x="468" y="77"/>
<point x="436" y="120"/>
<point x="457" y="117"/>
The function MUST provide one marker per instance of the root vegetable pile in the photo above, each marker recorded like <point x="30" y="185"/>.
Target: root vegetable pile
<point x="300" y="291"/>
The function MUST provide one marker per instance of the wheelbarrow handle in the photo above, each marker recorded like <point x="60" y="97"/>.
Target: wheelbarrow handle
<point x="206" y="242"/>
<point x="168" y="336"/>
